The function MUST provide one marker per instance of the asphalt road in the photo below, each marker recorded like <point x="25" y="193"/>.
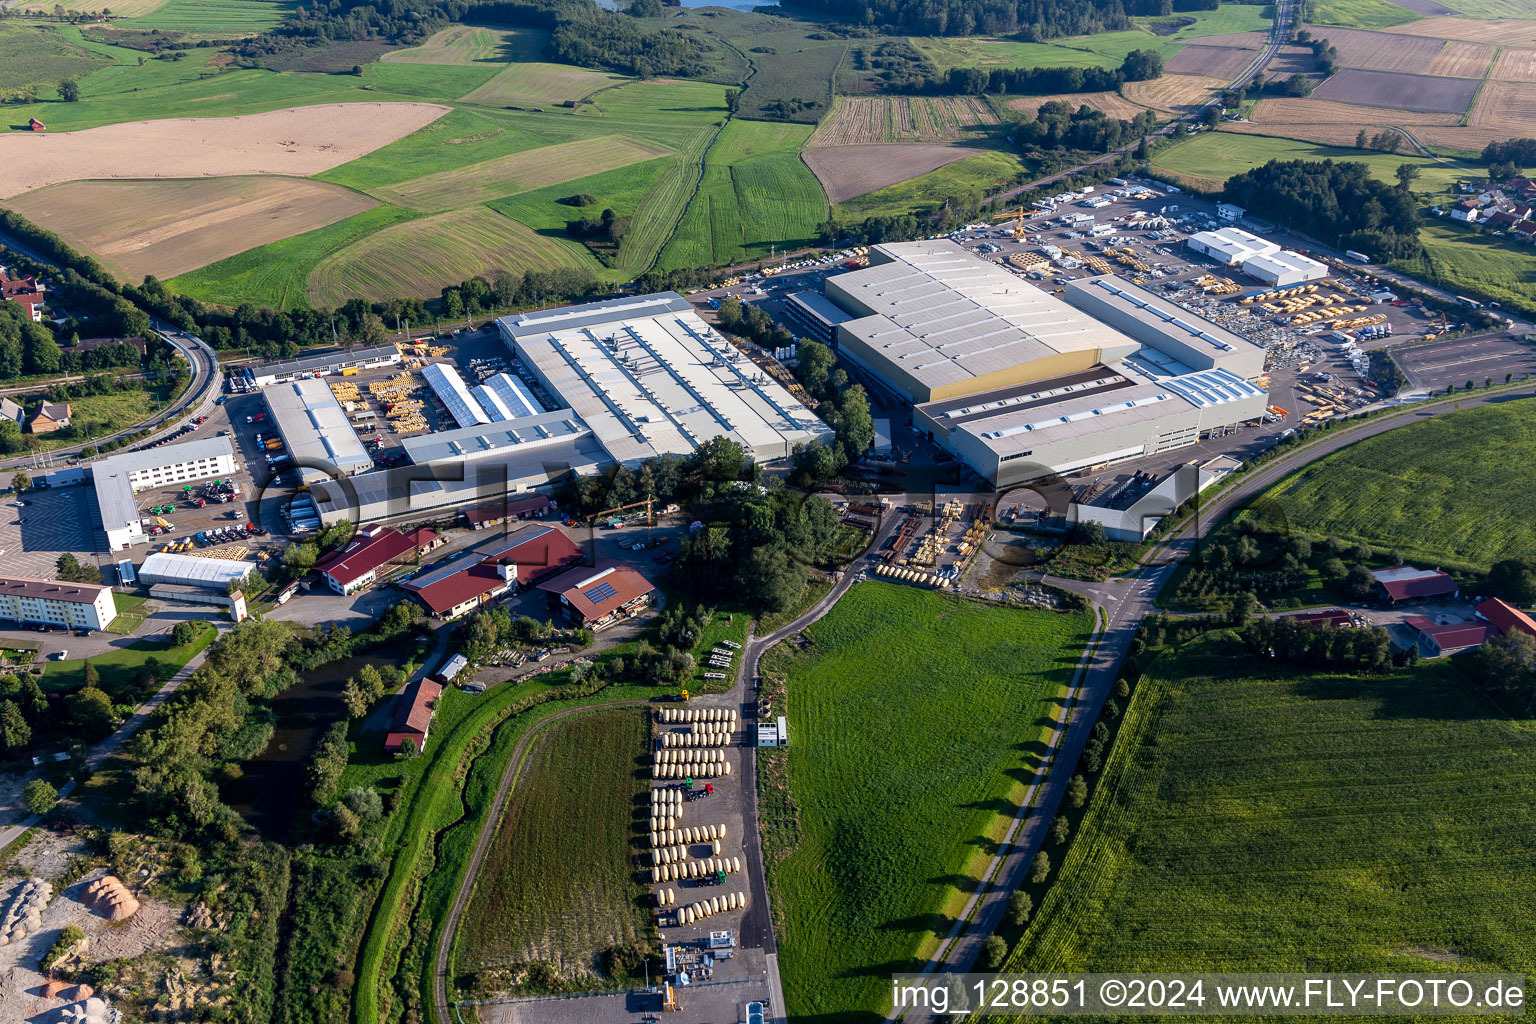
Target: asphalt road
<point x="197" y="399"/>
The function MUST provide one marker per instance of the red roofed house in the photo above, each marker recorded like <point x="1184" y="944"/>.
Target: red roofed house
<point x="34" y="125"/>
<point x="23" y="290"/>
<point x="1451" y="637"/>
<point x="355" y="566"/>
<point x="491" y="568"/>
<point x="1405" y="583"/>
<point x="1505" y="617"/>
<point x="597" y="597"/>
<point x="1467" y="210"/>
<point x="1502" y="220"/>
<point x="1332" y="617"/>
<point x="534" y="506"/>
<point x="1525" y="230"/>
<point x="413" y="716"/>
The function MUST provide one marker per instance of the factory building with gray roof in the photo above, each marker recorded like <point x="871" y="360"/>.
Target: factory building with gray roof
<point x="315" y="429"/>
<point x="1020" y="383"/>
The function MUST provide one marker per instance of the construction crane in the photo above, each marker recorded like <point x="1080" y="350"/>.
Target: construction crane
<point x="650" y="516"/>
<point x="1018" y="224"/>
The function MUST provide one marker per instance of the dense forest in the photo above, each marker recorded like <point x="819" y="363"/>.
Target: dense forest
<point x="1058" y="126"/>
<point x="1338" y="203"/>
<point x="580" y="33"/>
<point x="1030" y="20"/>
<point x="1139" y="66"/>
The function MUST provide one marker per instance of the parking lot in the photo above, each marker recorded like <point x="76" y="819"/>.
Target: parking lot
<point x="1437" y="365"/>
<point x="51" y="523"/>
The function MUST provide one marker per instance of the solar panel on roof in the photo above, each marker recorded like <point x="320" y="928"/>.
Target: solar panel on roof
<point x="599" y="593"/>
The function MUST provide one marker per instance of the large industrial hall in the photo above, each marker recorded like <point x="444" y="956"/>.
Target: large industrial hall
<point x="1019" y="382"/>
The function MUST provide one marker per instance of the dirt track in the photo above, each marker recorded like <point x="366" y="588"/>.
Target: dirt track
<point x="298" y="141"/>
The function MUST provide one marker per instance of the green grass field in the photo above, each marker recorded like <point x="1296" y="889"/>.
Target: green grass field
<point x="123" y="670"/>
<point x="1212" y="157"/>
<point x="1441" y="491"/>
<point x="1106" y="49"/>
<point x="558" y="885"/>
<point x="421" y="257"/>
<point x="277" y="274"/>
<point x="519" y="172"/>
<point x="1299" y="822"/>
<point x="1458" y="257"/>
<point x="221" y="18"/>
<point x="915" y="721"/>
<point x="537" y="84"/>
<point x="1366" y="14"/>
<point x="756" y="192"/>
<point x="471" y="44"/>
<point x="39" y="55"/>
<point x="974" y="176"/>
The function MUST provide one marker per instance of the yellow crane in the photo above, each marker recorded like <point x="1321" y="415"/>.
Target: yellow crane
<point x="1018" y="224"/>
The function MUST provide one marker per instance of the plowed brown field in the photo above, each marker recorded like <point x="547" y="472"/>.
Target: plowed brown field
<point x="299" y="141"/>
<point x="1310" y="111"/>
<point x="1217" y="61"/>
<point x="1379" y="51"/>
<point x="171" y="226"/>
<point x="850" y="171"/>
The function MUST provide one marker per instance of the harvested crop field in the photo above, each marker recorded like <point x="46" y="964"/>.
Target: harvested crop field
<point x="1403" y="92"/>
<point x="1180" y="94"/>
<point x="1342" y="134"/>
<point x="1462" y="60"/>
<point x="1504" y="110"/>
<point x="1379" y="51"/>
<point x="519" y="172"/>
<point x="1515" y="65"/>
<point x="298" y="141"/>
<point x="849" y="171"/>
<point x="858" y="120"/>
<point x="1217" y="61"/>
<point x="421" y="257"/>
<point x="1310" y="111"/>
<point x="1504" y="31"/>
<point x="1428" y="8"/>
<point x="535" y="84"/>
<point x="168" y="227"/>
<point x="470" y="44"/>
<point x="1110" y="104"/>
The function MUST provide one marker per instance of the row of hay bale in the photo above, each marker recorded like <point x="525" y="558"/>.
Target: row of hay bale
<point x="712" y="906"/>
<point x="680" y="870"/>
<point x="901" y="572"/>
<point x="690" y="771"/>
<point x="687" y="836"/>
<point x="666" y="798"/>
<point x="716" y="738"/>
<point x="666" y="898"/>
<point x="664" y="820"/>
<point x="727" y="715"/>
<point x="688" y="757"/>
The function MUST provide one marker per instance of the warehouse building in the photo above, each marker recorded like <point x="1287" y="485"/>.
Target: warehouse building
<point x="376" y="551"/>
<point x="648" y="377"/>
<point x="1131" y="516"/>
<point x="815" y="316"/>
<point x="54" y="603"/>
<point x="325" y="364"/>
<point x="598" y="597"/>
<point x="315" y="429"/>
<point x="492" y="567"/>
<point x="514" y="437"/>
<point x="1284" y="268"/>
<point x="934" y="321"/>
<point x="455" y="395"/>
<point x="1231" y="246"/>
<point x="117" y="478"/>
<point x="1020" y="383"/>
<point x="510" y="398"/>
<point x="193" y="571"/>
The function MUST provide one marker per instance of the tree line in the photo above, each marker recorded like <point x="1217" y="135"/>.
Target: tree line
<point x="1138" y="66"/>
<point x="1331" y="201"/>
<point x="1028" y="20"/>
